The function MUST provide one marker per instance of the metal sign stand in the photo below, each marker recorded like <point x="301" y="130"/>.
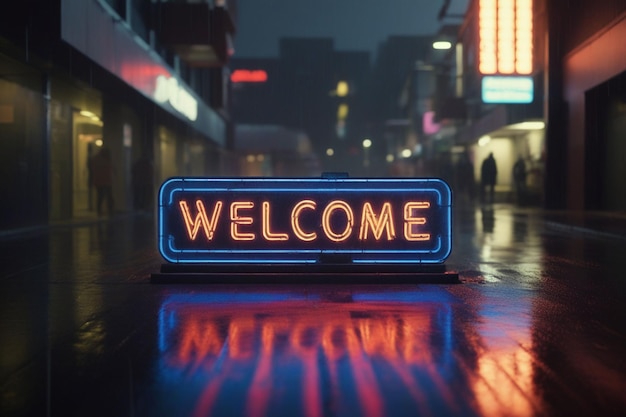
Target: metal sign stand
<point x="317" y="273"/>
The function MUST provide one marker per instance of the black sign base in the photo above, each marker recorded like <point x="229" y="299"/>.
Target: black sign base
<point x="321" y="273"/>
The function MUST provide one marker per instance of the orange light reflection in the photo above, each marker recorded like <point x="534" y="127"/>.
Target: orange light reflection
<point x="306" y="332"/>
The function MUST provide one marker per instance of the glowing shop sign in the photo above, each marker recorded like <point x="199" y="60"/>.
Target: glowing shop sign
<point x="248" y="76"/>
<point x="271" y="220"/>
<point x="168" y="90"/>
<point x="501" y="89"/>
<point x="505" y="29"/>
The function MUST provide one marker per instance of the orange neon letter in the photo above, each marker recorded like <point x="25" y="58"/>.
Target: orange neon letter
<point x="295" y="220"/>
<point x="198" y="341"/>
<point x="267" y="234"/>
<point x="410" y="220"/>
<point x="201" y="219"/>
<point x="237" y="220"/>
<point x="332" y="206"/>
<point x="384" y="222"/>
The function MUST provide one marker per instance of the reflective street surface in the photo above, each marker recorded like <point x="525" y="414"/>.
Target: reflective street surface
<point x="536" y="327"/>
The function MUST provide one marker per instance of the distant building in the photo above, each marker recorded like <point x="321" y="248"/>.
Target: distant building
<point x="586" y="104"/>
<point x="274" y="151"/>
<point x="400" y="93"/>
<point x="300" y="91"/>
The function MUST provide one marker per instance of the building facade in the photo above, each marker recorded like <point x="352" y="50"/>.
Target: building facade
<point x="310" y="89"/>
<point x="499" y="79"/>
<point x="570" y="124"/>
<point x="400" y="90"/>
<point x="79" y="76"/>
<point x="586" y="108"/>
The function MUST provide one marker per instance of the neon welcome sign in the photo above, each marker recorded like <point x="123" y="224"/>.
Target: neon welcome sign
<point x="274" y="220"/>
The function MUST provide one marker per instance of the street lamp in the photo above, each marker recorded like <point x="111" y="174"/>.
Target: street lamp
<point x="342" y="89"/>
<point x="367" y="143"/>
<point x="442" y="45"/>
<point x="484" y="140"/>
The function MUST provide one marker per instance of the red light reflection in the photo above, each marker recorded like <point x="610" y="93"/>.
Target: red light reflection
<point x="248" y="76"/>
<point x="332" y="348"/>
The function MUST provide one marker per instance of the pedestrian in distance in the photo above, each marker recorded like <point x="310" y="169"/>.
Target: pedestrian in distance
<point x="102" y="170"/>
<point x="488" y="175"/>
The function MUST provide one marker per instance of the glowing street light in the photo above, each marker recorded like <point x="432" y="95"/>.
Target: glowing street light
<point x="442" y="45"/>
<point x="367" y="143"/>
<point x="484" y="140"/>
<point x="342" y="89"/>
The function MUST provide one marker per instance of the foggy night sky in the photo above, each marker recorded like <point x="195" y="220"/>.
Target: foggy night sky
<point x="354" y="24"/>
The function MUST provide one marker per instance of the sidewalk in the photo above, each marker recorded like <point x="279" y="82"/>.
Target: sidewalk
<point x="81" y="219"/>
<point x="608" y="224"/>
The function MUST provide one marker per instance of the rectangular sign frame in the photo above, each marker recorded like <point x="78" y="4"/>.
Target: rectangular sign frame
<point x="416" y="208"/>
<point x="507" y="89"/>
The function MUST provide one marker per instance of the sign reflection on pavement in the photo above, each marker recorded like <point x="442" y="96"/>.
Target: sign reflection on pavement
<point x="269" y="353"/>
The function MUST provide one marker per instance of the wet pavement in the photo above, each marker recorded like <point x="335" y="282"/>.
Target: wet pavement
<point x="535" y="327"/>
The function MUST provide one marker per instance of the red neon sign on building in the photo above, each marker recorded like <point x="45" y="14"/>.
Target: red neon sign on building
<point x="248" y="76"/>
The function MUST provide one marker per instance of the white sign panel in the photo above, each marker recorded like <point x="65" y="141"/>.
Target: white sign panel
<point x="503" y="89"/>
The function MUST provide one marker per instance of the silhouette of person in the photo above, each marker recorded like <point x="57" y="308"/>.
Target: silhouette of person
<point x="102" y="171"/>
<point x="519" y="177"/>
<point x="143" y="174"/>
<point x="488" y="175"/>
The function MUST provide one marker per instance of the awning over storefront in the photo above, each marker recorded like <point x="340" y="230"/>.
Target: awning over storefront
<point x="502" y="120"/>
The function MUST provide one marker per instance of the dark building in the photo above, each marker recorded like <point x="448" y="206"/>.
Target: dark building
<point x="257" y="90"/>
<point x="586" y="106"/>
<point x="311" y="88"/>
<point x="309" y="81"/>
<point x="351" y="121"/>
<point x="140" y="78"/>
<point x="393" y="65"/>
<point x="400" y="86"/>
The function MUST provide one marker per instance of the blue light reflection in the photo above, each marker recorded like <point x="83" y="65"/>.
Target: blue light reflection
<point x="273" y="352"/>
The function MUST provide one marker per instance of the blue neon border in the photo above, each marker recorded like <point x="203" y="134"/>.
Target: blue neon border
<point x="305" y="256"/>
